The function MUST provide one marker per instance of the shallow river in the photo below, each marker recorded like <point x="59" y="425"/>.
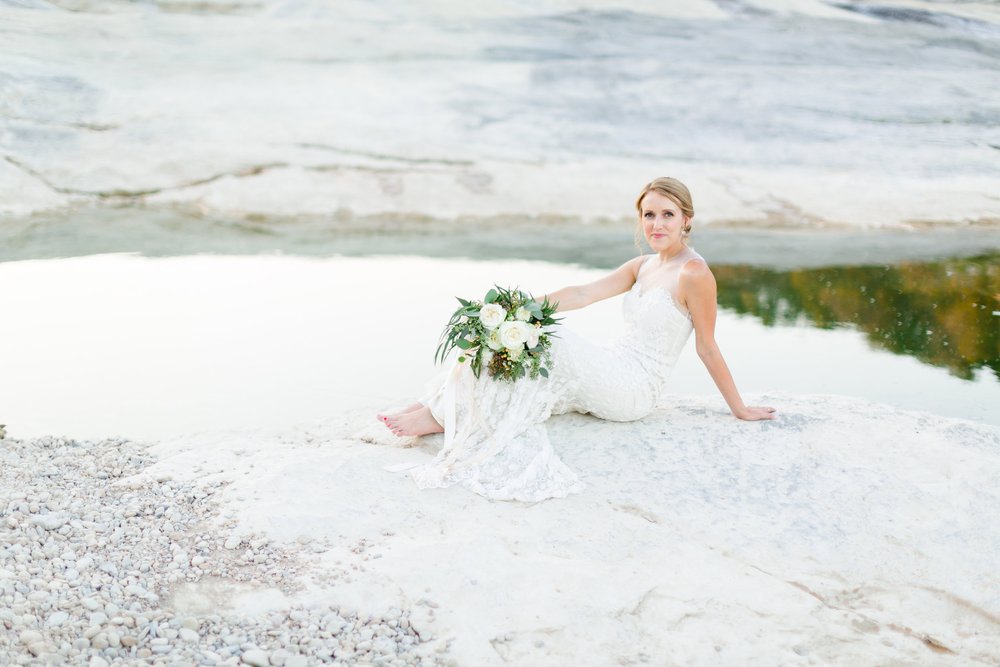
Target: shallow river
<point x="143" y="338"/>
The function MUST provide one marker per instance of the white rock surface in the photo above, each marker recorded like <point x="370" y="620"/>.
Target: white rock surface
<point x="449" y="111"/>
<point x="845" y="532"/>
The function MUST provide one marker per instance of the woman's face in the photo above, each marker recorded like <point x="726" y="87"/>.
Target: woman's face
<point x="662" y="221"/>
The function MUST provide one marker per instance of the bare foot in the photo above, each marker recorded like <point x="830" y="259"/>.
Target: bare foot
<point x="415" y="422"/>
<point x="412" y="407"/>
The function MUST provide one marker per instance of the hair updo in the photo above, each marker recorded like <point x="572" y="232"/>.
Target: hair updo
<point x="668" y="187"/>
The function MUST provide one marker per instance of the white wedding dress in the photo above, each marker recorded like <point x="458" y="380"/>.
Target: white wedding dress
<point x="495" y="441"/>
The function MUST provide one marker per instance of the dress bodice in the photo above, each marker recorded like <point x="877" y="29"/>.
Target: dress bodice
<point x="655" y="327"/>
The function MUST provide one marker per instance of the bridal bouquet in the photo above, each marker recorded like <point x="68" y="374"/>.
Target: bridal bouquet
<point x="503" y="332"/>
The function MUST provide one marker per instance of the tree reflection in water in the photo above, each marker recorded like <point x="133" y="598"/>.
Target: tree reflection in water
<point x="945" y="313"/>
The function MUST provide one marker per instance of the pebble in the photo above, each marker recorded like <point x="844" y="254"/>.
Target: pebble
<point x="256" y="658"/>
<point x="50" y="521"/>
<point x="56" y="619"/>
<point x="136" y="590"/>
<point x="73" y="591"/>
<point x="38" y="648"/>
<point x="28" y="637"/>
<point x="384" y="645"/>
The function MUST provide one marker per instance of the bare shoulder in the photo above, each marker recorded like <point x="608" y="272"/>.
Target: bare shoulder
<point x="633" y="265"/>
<point x="697" y="289"/>
<point x="695" y="273"/>
<point x="617" y="282"/>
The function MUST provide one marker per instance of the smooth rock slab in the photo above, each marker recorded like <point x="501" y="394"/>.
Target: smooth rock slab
<point x="501" y="133"/>
<point x="853" y="531"/>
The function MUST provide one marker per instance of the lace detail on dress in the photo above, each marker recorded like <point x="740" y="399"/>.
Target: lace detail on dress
<point x="496" y="443"/>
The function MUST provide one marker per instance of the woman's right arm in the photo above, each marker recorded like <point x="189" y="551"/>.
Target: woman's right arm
<point x="577" y="296"/>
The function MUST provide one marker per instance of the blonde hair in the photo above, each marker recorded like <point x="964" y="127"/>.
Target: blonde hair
<point x="668" y="187"/>
<point x="674" y="190"/>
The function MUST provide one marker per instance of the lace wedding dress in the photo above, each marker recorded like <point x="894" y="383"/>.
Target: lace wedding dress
<point x="495" y="441"/>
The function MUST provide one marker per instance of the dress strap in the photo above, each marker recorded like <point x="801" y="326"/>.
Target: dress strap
<point x="645" y="261"/>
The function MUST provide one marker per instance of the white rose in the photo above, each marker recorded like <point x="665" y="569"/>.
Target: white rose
<point x="522" y="314"/>
<point x="493" y="339"/>
<point x="491" y="315"/>
<point x="533" y="334"/>
<point x="514" y="334"/>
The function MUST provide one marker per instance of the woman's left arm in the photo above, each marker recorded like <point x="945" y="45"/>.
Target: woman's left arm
<point x="699" y="292"/>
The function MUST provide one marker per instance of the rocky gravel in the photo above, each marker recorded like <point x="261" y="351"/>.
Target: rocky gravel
<point x="91" y="552"/>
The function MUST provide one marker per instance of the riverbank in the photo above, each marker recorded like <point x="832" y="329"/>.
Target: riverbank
<point x="845" y="531"/>
<point x="301" y="107"/>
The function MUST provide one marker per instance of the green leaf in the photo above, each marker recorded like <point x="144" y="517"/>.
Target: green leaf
<point x="544" y="371"/>
<point x="491" y="296"/>
<point x="463" y="343"/>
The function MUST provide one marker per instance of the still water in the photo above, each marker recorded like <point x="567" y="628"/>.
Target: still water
<point x="162" y="341"/>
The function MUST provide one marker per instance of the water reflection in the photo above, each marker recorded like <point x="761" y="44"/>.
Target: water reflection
<point x="927" y="293"/>
<point x="942" y="312"/>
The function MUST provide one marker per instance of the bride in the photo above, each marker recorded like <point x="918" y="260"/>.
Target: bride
<point x="495" y="441"/>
